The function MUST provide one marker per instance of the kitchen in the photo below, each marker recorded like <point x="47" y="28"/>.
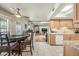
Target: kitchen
<point x="65" y="32"/>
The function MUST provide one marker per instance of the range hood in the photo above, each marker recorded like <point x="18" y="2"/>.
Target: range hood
<point x="76" y="21"/>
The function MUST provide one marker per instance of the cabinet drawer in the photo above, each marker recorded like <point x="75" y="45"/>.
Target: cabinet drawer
<point x="75" y="37"/>
<point x="67" y="36"/>
<point x="52" y="37"/>
<point x="53" y="41"/>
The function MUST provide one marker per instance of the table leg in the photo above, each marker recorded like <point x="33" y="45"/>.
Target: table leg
<point x="20" y="53"/>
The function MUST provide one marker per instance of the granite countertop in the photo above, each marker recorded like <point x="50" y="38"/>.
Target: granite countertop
<point x="61" y="33"/>
<point x="65" y="33"/>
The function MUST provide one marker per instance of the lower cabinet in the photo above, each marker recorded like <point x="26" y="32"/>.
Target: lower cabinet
<point x="67" y="36"/>
<point x="70" y="51"/>
<point x="51" y="39"/>
<point x="55" y="39"/>
<point x="75" y="37"/>
<point x="71" y="36"/>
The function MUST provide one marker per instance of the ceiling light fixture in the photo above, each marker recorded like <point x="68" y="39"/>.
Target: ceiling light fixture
<point x="18" y="13"/>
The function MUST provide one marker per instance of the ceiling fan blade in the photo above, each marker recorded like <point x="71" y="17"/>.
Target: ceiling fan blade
<point x="25" y="17"/>
<point x="18" y="9"/>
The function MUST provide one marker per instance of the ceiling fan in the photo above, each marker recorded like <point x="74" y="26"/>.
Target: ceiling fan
<point x="19" y="15"/>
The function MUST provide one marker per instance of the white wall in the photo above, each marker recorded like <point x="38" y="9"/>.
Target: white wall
<point x="12" y="25"/>
<point x="12" y="22"/>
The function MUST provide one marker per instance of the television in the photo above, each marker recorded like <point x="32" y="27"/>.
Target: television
<point x="44" y="29"/>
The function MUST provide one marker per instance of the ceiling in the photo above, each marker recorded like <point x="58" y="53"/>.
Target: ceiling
<point x="39" y="12"/>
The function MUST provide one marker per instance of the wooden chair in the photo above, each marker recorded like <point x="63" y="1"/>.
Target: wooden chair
<point x="28" y="43"/>
<point x="32" y="40"/>
<point x="6" y="46"/>
<point x="21" y="46"/>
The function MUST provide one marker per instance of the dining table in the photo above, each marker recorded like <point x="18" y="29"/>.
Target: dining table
<point x="18" y="38"/>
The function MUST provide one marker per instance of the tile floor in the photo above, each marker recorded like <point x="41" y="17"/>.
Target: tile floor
<point x="44" y="49"/>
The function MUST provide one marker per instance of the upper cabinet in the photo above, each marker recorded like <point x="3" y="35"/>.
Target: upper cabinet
<point x="61" y="23"/>
<point x="67" y="23"/>
<point x="54" y="24"/>
<point x="51" y="24"/>
<point x="76" y="15"/>
<point x="76" y="11"/>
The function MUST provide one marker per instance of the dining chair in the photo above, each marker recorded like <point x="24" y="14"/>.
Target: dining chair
<point x="6" y="46"/>
<point x="21" y="46"/>
<point x="28" y="42"/>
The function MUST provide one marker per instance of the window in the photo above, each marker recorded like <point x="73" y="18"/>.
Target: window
<point x="3" y="25"/>
<point x="18" y="28"/>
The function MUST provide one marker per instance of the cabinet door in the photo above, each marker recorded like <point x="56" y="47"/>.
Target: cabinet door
<point x="76" y="14"/>
<point x="67" y="23"/>
<point x="51" y="24"/>
<point x="52" y="39"/>
<point x="75" y="37"/>
<point x="67" y="37"/>
<point x="48" y="38"/>
<point x="56" y="24"/>
<point x="76" y="25"/>
<point x="70" y="51"/>
<point x="77" y="11"/>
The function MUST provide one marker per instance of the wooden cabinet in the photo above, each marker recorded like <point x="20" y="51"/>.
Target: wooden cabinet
<point x="71" y="36"/>
<point x="61" y="23"/>
<point x="66" y="36"/>
<point x="75" y="37"/>
<point x="70" y="51"/>
<point x="76" y="14"/>
<point x="51" y="24"/>
<point x="48" y="40"/>
<point x="67" y="23"/>
<point x="76" y="25"/>
<point x="76" y="11"/>
<point x="56" y="24"/>
<point x="51" y="39"/>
